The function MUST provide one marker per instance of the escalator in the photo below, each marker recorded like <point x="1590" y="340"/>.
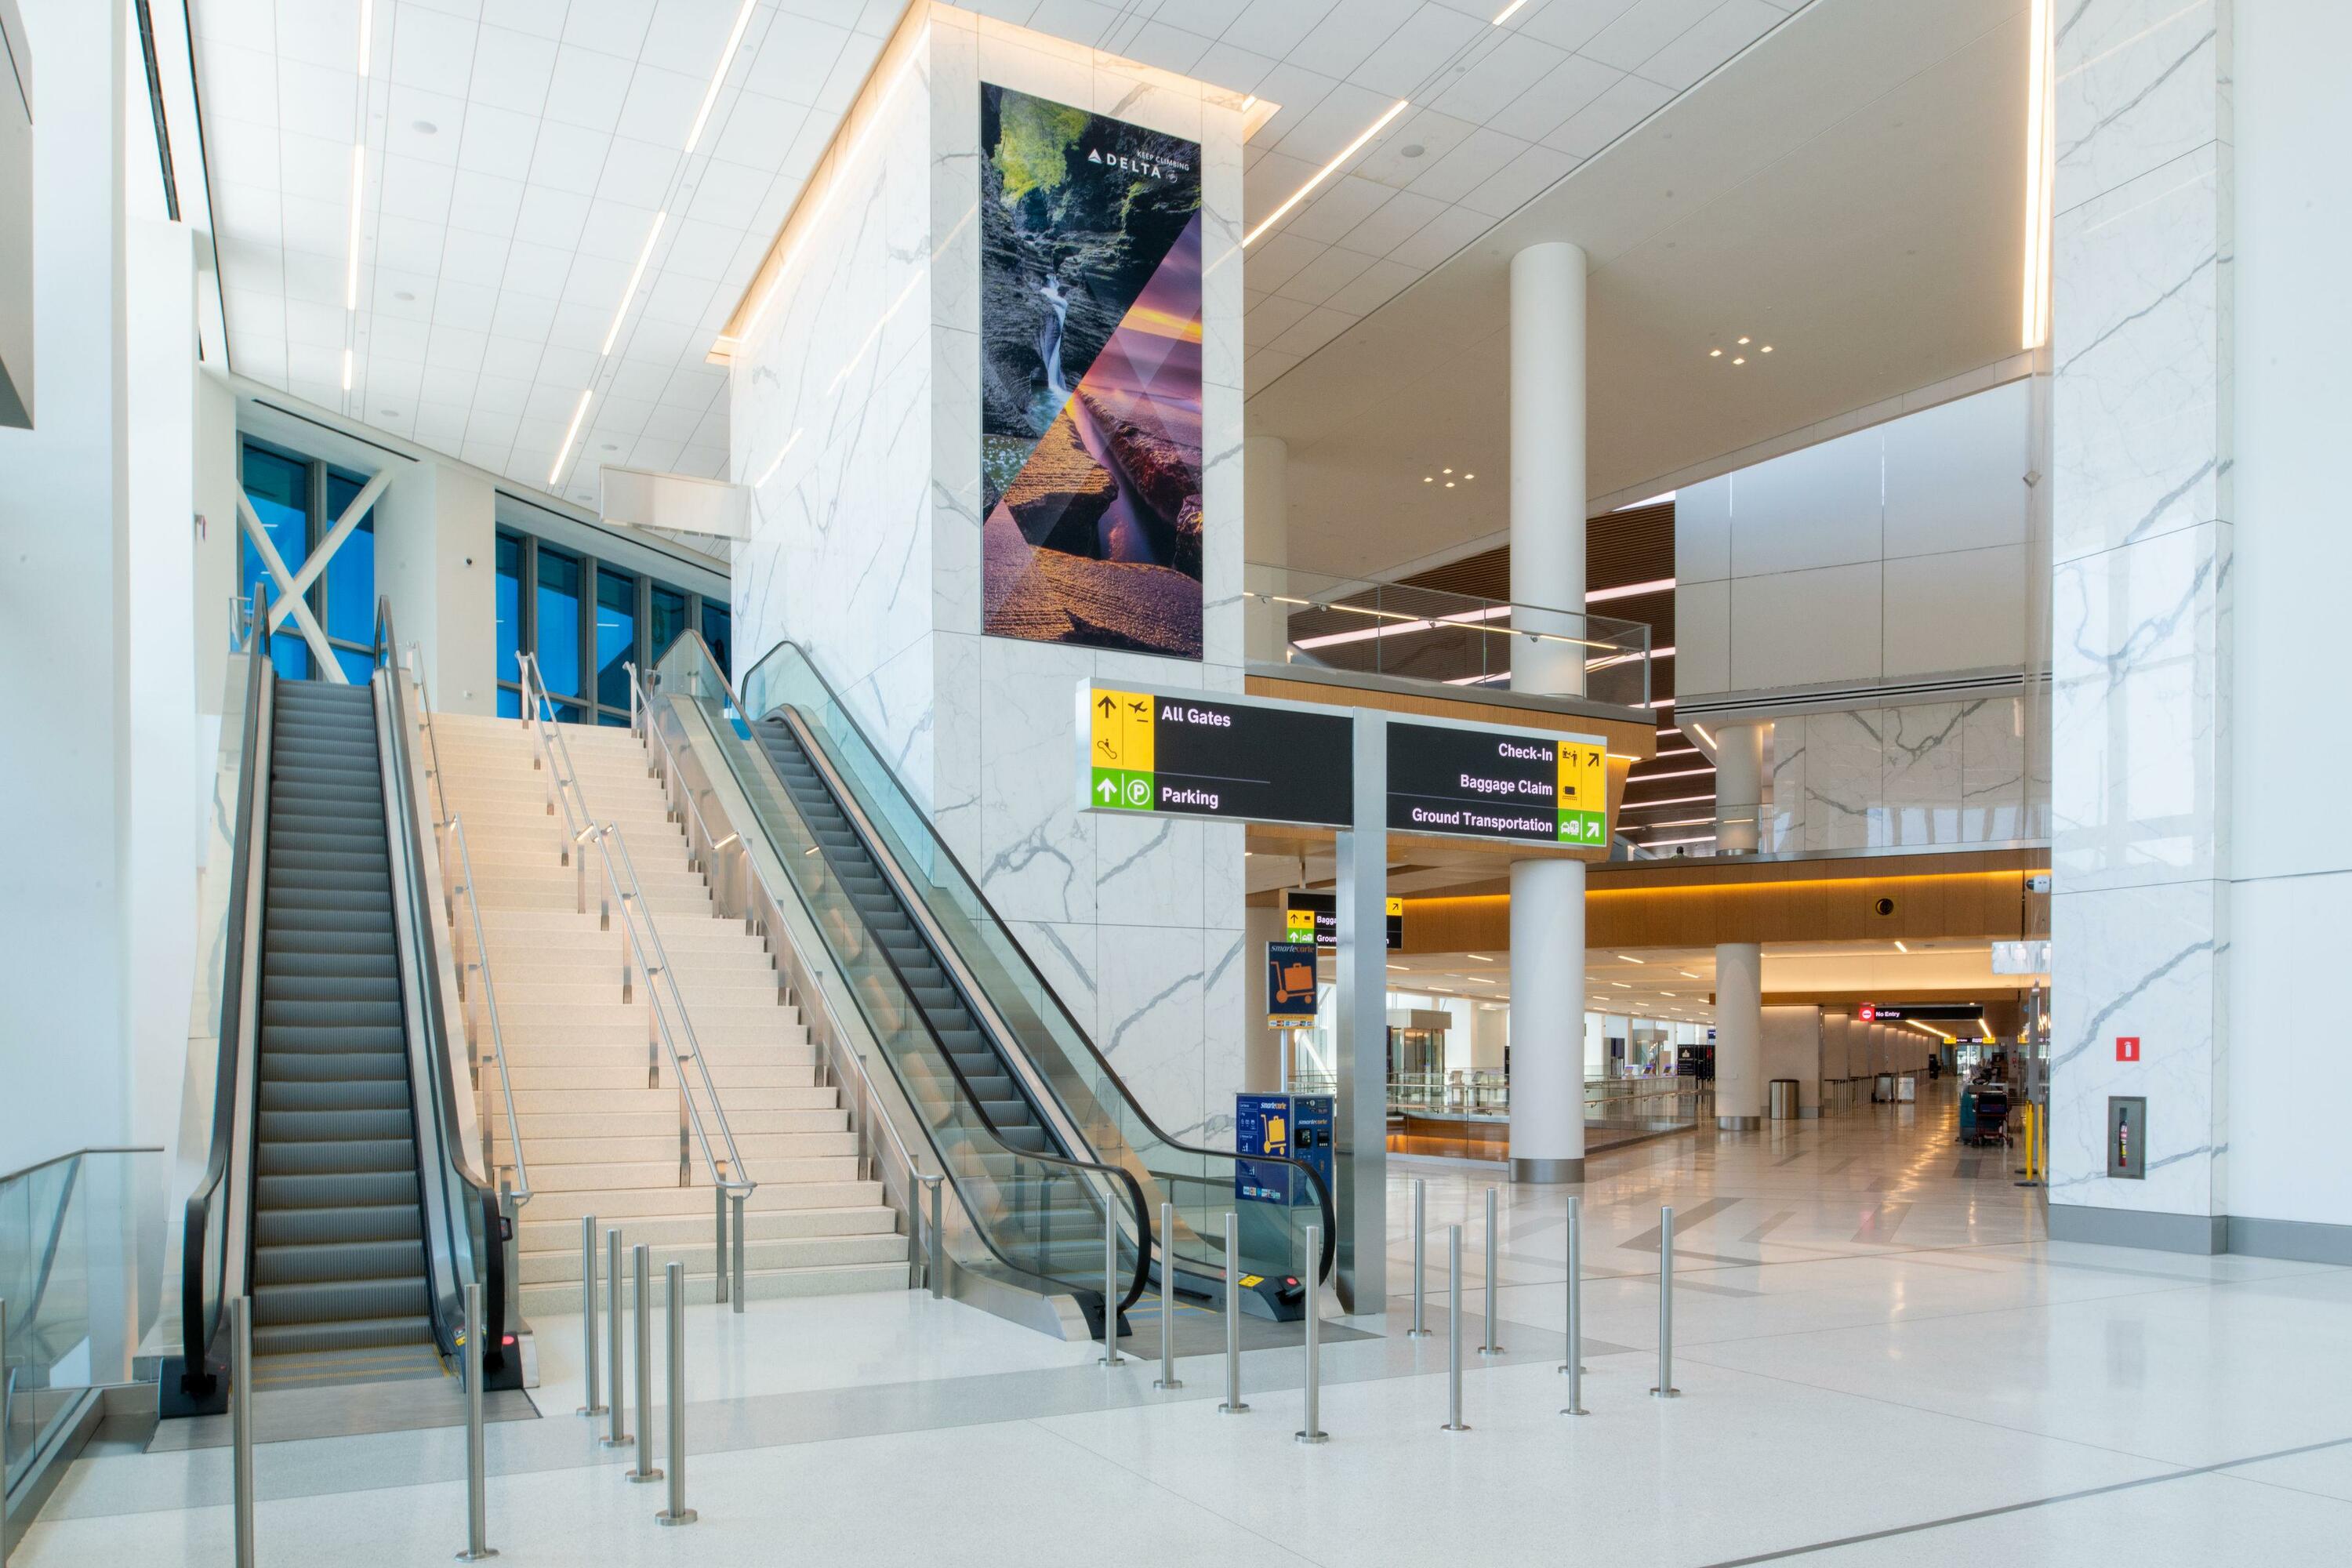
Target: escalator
<point x="951" y="993"/>
<point x="340" y="1192"/>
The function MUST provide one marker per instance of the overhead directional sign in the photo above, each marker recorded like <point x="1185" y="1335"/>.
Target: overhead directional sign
<point x="1202" y="756"/>
<point x="1316" y="916"/>
<point x="1465" y="782"/>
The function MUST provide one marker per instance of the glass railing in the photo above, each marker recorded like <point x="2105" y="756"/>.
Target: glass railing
<point x="1079" y="1092"/>
<point x="1401" y="632"/>
<point x="80" y="1236"/>
<point x="1664" y="1098"/>
<point x="1037" y="1219"/>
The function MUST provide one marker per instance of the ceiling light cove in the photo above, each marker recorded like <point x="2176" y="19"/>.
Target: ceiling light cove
<point x="1327" y="171"/>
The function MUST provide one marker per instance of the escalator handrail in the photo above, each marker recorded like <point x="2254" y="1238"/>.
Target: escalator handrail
<point x="972" y="1207"/>
<point x="940" y="846"/>
<point x="406" y="825"/>
<point x="253" y="793"/>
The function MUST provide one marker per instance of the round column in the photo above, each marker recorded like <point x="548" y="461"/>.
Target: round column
<point x="1547" y="500"/>
<point x="1738" y="1036"/>
<point x="1266" y="547"/>
<point x="1738" y="789"/>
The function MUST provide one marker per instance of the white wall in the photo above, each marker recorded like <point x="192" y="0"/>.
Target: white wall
<point x="2290" y="710"/>
<point x="64" y="525"/>
<point x="436" y="561"/>
<point x="1792" y="1049"/>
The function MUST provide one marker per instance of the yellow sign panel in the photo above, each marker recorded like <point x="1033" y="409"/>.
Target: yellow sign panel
<point x="1396" y="906"/>
<point x="1120" y="725"/>
<point x="1583" y="777"/>
<point x="1300" y="923"/>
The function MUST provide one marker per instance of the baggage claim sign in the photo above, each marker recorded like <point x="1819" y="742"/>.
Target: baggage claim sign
<point x="1266" y="762"/>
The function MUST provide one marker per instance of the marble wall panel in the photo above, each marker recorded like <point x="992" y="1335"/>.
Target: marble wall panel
<point x="1992" y="771"/>
<point x="1844" y="806"/>
<point x="1922" y="778"/>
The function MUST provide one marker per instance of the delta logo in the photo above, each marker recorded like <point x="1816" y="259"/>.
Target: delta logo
<point x="1150" y="168"/>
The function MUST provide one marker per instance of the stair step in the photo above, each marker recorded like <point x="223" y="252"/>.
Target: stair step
<point x="552" y="1301"/>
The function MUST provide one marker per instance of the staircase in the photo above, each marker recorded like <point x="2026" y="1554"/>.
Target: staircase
<point x="597" y="1138"/>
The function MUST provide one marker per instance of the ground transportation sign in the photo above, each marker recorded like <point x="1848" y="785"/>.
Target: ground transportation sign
<point x="1478" y="782"/>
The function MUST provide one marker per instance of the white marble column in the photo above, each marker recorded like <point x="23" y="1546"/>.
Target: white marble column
<point x="1265" y="546"/>
<point x="1262" y="1044"/>
<point x="1738" y="787"/>
<point x="1739" y="1035"/>
<point x="2142" y="448"/>
<point x="1547" y="502"/>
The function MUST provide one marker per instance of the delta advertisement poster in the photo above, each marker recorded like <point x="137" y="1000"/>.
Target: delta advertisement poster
<point x="1090" y="378"/>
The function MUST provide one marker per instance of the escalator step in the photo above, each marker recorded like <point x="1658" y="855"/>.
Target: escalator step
<point x="325" y="1124"/>
<point x="332" y="1300"/>
<point x="342" y="1189"/>
<point x="389" y="1092"/>
<point x="311" y="1054"/>
<point x="337" y="1261"/>
<point x="365" y="1222"/>
<point x="339" y="1157"/>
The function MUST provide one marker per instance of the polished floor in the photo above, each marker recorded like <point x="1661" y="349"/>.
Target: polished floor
<point x="1880" y="1360"/>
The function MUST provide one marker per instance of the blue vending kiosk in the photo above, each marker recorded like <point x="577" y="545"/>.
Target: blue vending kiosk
<point x="1298" y="1127"/>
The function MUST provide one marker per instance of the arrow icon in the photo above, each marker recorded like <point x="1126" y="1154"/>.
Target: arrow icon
<point x="1107" y="791"/>
<point x="1107" y="706"/>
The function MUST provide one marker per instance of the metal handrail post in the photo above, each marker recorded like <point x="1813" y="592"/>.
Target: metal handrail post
<point x="618" y="1437"/>
<point x="718" y="1216"/>
<point x="1453" y="1422"/>
<point x="1494" y="1257"/>
<point x="1168" y="1378"/>
<point x="477" y="1500"/>
<point x="240" y="1423"/>
<point x="1574" y="1365"/>
<point x="1420" y="1330"/>
<point x="673" y="1276"/>
<point x="1233" y="1404"/>
<point x="932" y="1240"/>
<point x="640" y="1271"/>
<point x="1110" y="1356"/>
<point x="588" y="1313"/>
<point x="1666" y="1388"/>
<point x="1312" y="1432"/>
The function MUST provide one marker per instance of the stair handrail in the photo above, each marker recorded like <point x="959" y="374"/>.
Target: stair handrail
<point x="451" y="828"/>
<point x="539" y="719"/>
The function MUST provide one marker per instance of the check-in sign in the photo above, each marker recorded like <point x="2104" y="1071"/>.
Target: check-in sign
<point x="1478" y="782"/>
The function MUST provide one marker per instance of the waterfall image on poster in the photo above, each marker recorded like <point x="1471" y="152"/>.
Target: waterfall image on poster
<point x="1090" y="378"/>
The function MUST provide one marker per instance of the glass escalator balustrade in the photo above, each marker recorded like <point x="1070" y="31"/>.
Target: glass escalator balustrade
<point x="905" y="922"/>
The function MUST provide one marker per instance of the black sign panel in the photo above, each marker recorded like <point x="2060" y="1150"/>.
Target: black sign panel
<point x="1319" y="912"/>
<point x="1928" y="1013"/>
<point x="1196" y="756"/>
<point x="1473" y="783"/>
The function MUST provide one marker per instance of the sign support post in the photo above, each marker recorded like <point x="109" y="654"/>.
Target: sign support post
<point x="1361" y="1040"/>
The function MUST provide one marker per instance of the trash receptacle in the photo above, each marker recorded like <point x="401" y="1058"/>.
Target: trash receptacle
<point x="1882" y="1088"/>
<point x="1906" y="1089"/>
<point x="1780" y="1100"/>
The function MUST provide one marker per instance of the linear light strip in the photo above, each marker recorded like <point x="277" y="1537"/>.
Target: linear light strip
<point x="1508" y="12"/>
<point x="2035" y="292"/>
<point x="1630" y="590"/>
<point x="718" y="76"/>
<point x="367" y="35"/>
<point x="1327" y="170"/>
<point x="630" y="293"/>
<point x="352" y="250"/>
<point x="569" y="436"/>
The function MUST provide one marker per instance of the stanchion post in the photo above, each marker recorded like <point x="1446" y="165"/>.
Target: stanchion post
<point x="1453" y="1422"/>
<point x="1110" y="1356"/>
<point x="719" y="1218"/>
<point x="1487" y="1346"/>
<point x="617" y="1437"/>
<point x="1312" y="1432"/>
<point x="673" y="1276"/>
<point x="1420" y="1330"/>
<point x="240" y="1423"/>
<point x="936" y="1268"/>
<point x="594" y="1407"/>
<point x="1233" y="1404"/>
<point x="640" y="1279"/>
<point x="1574" y="1365"/>
<point x="735" y="1300"/>
<point x="1167" y="1378"/>
<point x="477" y="1481"/>
<point x="1666" y="1389"/>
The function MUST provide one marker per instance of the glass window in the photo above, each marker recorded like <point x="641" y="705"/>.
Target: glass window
<point x="510" y="702"/>
<point x="557" y="622"/>
<point x="291" y="656"/>
<point x="666" y="619"/>
<point x="613" y="721"/>
<point x="616" y="635"/>
<point x="351" y="570"/>
<point x="715" y="633"/>
<point x="509" y="630"/>
<point x="280" y="489"/>
<point x="357" y="666"/>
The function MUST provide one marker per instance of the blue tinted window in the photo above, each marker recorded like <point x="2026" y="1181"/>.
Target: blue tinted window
<point x="510" y="702"/>
<point x="556" y="626"/>
<point x="613" y="721"/>
<point x="357" y="666"/>
<point x="351" y="570"/>
<point x="291" y="656"/>
<point x="715" y="633"/>
<point x="509" y="630"/>
<point x="667" y="618"/>
<point x="279" y="488"/>
<point x="616" y="635"/>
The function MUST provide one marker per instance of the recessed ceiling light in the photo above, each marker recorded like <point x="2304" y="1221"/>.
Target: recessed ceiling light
<point x="1621" y="985"/>
<point x="1469" y="476"/>
<point x="1445" y="470"/>
<point x="1429" y="479"/>
<point x="611" y="445"/>
<point x="1765" y="350"/>
<point x="1715" y="353"/>
<point x="1629" y="958"/>
<point x="1449" y="484"/>
<point x="388" y="413"/>
<point x="1412" y="149"/>
<point x="1739" y="359"/>
<point x="424" y="128"/>
<point x="1743" y="341"/>
<point x="405" y="297"/>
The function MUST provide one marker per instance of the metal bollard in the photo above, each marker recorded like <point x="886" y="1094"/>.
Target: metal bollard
<point x="673" y="1276"/>
<point x="936" y="1268"/>
<point x="240" y="1423"/>
<point x="1167" y="1378"/>
<point x="718" y="1216"/>
<point x="1574" y="1365"/>
<point x="736" y="1299"/>
<point x="1233" y="1404"/>
<point x="1494" y="1258"/>
<point x="1453" y="1422"/>
<point x="618" y="1437"/>
<point x="1420" y="1330"/>
<point x="478" y="1497"/>
<point x="588" y="1311"/>
<point x="1110" y="1356"/>
<point x="640" y="1271"/>
<point x="1313" y="1431"/>
<point x="1666" y="1389"/>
